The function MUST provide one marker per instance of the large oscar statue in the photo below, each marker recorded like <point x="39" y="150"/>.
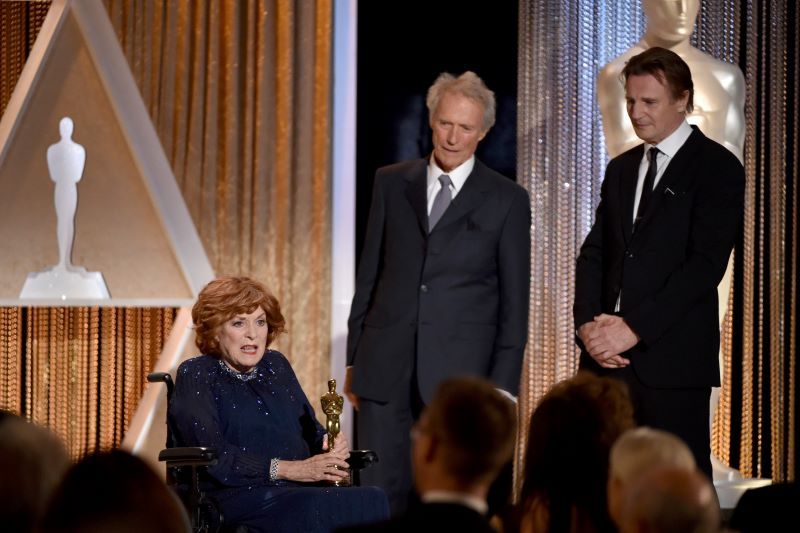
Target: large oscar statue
<point x="718" y="112"/>
<point x="718" y="86"/>
<point x="64" y="281"/>
<point x="332" y="405"/>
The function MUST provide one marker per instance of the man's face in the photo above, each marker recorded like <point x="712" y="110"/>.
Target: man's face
<point x="651" y="108"/>
<point x="671" y="20"/>
<point x="457" y="129"/>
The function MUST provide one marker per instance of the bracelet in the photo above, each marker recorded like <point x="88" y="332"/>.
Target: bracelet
<point x="273" y="469"/>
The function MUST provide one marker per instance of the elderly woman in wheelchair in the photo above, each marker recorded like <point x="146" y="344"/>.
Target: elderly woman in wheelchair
<point x="275" y="469"/>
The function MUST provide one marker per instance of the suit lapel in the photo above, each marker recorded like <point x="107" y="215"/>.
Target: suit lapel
<point x="416" y="193"/>
<point x="630" y="177"/>
<point x="468" y="198"/>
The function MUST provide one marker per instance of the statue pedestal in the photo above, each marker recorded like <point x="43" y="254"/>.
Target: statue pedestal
<point x="65" y="285"/>
<point x="729" y="491"/>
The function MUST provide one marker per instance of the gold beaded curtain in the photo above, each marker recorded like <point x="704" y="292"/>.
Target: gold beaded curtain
<point x="239" y="94"/>
<point x="561" y="159"/>
<point x="764" y="368"/>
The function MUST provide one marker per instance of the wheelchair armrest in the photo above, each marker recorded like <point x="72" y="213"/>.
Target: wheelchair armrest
<point x="360" y="459"/>
<point x="162" y="377"/>
<point x="188" y="456"/>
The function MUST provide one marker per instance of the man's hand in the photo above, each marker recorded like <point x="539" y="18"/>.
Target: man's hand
<point x="606" y="338"/>
<point x="347" y="389"/>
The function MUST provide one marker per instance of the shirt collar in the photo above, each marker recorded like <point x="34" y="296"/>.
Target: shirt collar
<point x="673" y="142"/>
<point x="458" y="175"/>
<point x="443" y="496"/>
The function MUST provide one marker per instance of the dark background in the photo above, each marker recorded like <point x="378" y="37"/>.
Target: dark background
<point x="402" y="48"/>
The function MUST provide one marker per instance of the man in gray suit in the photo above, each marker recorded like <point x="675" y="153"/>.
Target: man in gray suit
<point x="443" y="284"/>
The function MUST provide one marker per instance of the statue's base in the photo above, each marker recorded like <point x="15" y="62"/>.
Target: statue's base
<point x="730" y="484"/>
<point x="64" y="284"/>
<point x="345" y="482"/>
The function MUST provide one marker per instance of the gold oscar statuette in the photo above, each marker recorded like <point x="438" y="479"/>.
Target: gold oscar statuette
<point x="332" y="405"/>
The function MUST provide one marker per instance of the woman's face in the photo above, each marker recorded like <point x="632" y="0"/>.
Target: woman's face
<point x="243" y="340"/>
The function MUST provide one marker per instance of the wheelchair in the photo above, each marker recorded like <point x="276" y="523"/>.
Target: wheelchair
<point x="185" y="465"/>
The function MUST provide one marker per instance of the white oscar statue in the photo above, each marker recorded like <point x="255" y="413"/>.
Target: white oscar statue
<point x="719" y="92"/>
<point x="65" y="161"/>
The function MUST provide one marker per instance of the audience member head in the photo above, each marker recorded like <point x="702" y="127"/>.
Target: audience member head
<point x="566" y="461"/>
<point x="222" y="299"/>
<point x="32" y="461"/>
<point x="637" y="451"/>
<point x="463" y="438"/>
<point x="113" y="491"/>
<point x="670" y="500"/>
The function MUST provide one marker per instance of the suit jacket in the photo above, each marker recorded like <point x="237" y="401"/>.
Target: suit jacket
<point x="456" y="298"/>
<point x="430" y="517"/>
<point x="768" y="508"/>
<point x="669" y="269"/>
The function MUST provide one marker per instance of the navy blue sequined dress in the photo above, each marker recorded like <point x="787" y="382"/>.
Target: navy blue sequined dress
<point x="251" y="418"/>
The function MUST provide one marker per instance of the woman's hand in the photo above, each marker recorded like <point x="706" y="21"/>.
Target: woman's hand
<point x="340" y="446"/>
<point x="320" y="467"/>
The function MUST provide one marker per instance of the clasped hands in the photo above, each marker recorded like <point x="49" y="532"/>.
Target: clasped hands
<point x="606" y="338"/>
<point x="320" y="467"/>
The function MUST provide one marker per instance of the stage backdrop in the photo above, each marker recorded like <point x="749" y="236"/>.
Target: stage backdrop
<point x="561" y="159"/>
<point x="239" y="94"/>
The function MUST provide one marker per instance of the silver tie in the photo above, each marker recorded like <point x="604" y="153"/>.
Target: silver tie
<point x="440" y="202"/>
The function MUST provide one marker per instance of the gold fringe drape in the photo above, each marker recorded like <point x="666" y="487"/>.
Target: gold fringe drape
<point x="239" y="94"/>
<point x="79" y="370"/>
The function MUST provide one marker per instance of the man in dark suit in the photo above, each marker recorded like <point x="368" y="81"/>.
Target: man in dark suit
<point x="443" y="283"/>
<point x="646" y="307"/>
<point x="461" y="442"/>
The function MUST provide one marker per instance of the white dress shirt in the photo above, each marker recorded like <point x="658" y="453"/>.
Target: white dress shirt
<point x="666" y="151"/>
<point x="457" y="176"/>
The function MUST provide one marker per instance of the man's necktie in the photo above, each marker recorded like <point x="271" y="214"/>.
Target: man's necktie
<point x="440" y="202"/>
<point x="649" y="182"/>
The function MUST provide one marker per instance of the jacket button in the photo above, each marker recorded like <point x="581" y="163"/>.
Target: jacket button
<point x="423" y="288"/>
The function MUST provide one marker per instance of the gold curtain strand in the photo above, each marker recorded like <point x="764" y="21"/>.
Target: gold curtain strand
<point x="95" y="356"/>
<point x="117" y="413"/>
<point x="106" y="375"/>
<point x="5" y="354"/>
<point x="721" y="427"/>
<point x="80" y="393"/>
<point x="777" y="238"/>
<point x="59" y="374"/>
<point x="793" y="171"/>
<point x="29" y="367"/>
<point x="51" y="329"/>
<point x="749" y="256"/>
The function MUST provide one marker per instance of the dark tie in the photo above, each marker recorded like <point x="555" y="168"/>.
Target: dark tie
<point x="649" y="182"/>
<point x="440" y="202"/>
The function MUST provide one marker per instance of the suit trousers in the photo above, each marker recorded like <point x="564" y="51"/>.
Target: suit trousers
<point x="385" y="427"/>
<point x="681" y="411"/>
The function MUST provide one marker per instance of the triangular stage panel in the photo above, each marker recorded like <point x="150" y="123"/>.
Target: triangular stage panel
<point x="132" y="224"/>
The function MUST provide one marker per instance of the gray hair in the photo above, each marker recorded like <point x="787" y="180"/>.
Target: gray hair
<point x="638" y="450"/>
<point x="468" y="84"/>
